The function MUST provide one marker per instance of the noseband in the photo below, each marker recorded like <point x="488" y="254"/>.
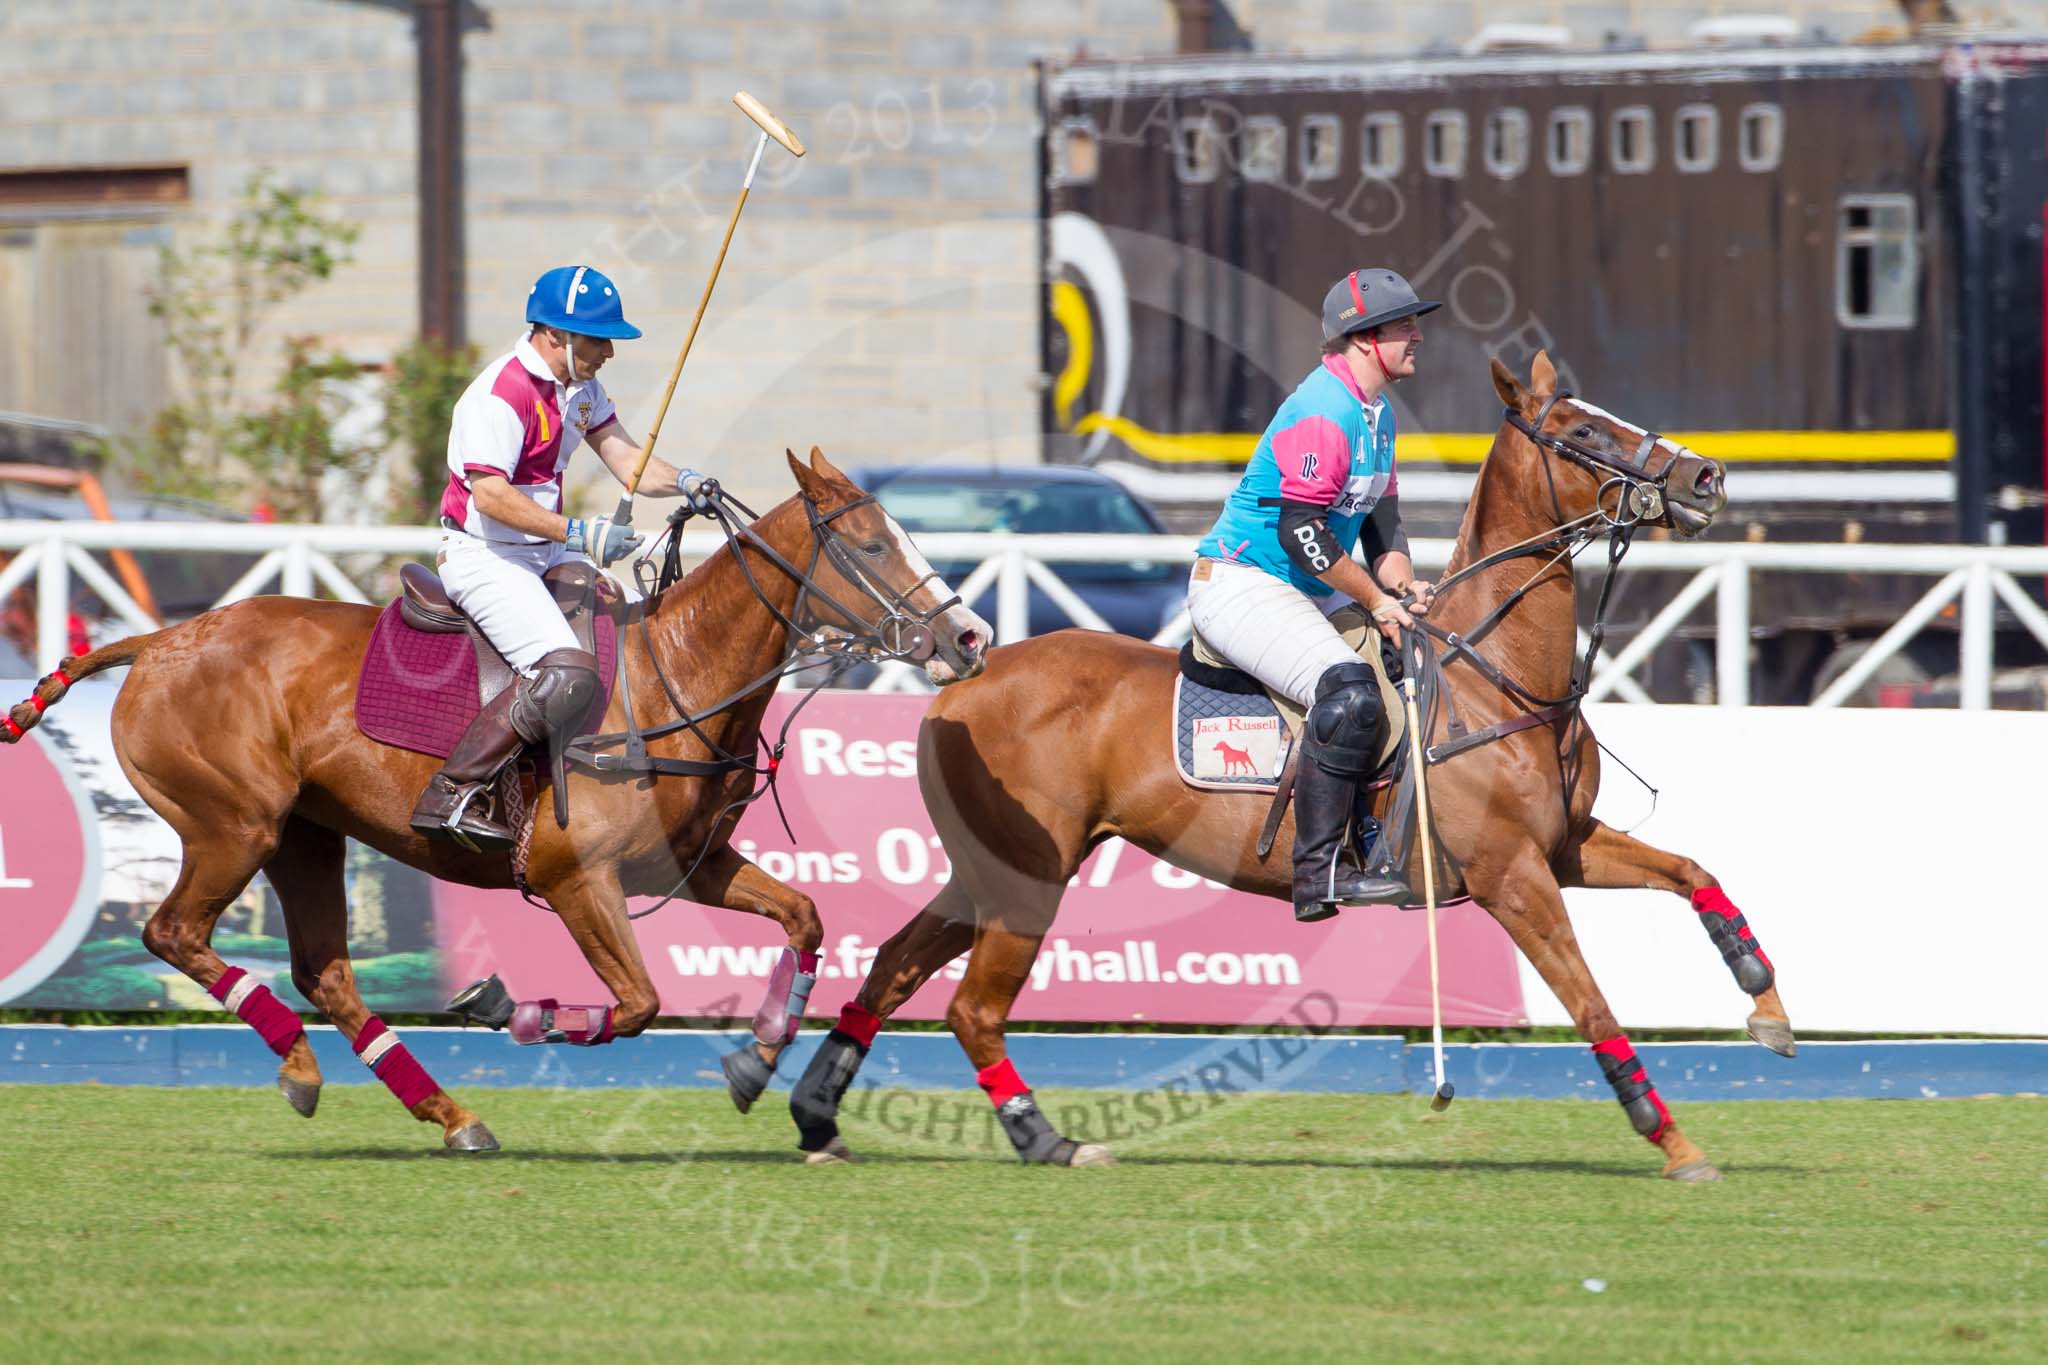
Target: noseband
<point x="1639" y="493"/>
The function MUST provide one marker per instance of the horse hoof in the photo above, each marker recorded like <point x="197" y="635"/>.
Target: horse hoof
<point x="471" y="1137"/>
<point x="1699" y="1171"/>
<point x="304" y="1096"/>
<point x="1092" y="1154"/>
<point x="1775" y="1034"/>
<point x="833" y="1153"/>
<point x="746" y="1076"/>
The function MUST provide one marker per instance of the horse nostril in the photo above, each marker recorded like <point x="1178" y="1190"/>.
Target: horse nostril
<point x="1704" y="484"/>
<point x="970" y="643"/>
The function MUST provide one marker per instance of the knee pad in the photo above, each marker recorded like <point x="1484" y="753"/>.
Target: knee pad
<point x="1344" y="724"/>
<point x="557" y="698"/>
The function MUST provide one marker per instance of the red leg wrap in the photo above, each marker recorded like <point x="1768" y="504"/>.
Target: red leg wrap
<point x="1001" y="1082"/>
<point x="391" y="1063"/>
<point x="1631" y="1082"/>
<point x="859" y="1024"/>
<point x="255" y="1006"/>
<point x="1712" y="900"/>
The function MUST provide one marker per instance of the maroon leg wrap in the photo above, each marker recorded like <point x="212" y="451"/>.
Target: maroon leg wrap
<point x="550" y="1021"/>
<point x="392" y="1064"/>
<point x="255" y="1006"/>
<point x="1617" y="1058"/>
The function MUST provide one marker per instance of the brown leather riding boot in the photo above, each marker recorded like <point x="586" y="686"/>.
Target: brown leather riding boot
<point x="457" y="802"/>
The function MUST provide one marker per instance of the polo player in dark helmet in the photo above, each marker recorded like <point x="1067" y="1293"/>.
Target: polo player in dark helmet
<point x="1278" y="563"/>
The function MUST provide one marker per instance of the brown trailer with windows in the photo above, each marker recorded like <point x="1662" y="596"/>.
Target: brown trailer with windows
<point x="1822" y="265"/>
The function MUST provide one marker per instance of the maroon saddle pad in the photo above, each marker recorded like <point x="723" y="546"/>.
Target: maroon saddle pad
<point x="419" y="691"/>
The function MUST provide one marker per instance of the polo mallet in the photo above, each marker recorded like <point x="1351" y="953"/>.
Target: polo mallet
<point x="1426" y="846"/>
<point x="771" y="126"/>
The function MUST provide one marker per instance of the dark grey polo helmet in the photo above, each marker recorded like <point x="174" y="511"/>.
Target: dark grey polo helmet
<point x="1368" y="298"/>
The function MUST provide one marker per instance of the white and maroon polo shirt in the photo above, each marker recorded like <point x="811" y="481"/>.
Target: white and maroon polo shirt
<point x="511" y="421"/>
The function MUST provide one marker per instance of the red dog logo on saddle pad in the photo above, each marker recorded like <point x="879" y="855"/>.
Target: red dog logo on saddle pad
<point x="1237" y="746"/>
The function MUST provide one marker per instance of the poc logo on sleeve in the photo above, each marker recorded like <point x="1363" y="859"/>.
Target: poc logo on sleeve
<point x="1312" y="547"/>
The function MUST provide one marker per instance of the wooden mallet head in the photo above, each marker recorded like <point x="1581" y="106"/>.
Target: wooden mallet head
<point x="770" y="124"/>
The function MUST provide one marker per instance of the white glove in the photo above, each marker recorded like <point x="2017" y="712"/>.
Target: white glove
<point x="699" y="490"/>
<point x="603" y="539"/>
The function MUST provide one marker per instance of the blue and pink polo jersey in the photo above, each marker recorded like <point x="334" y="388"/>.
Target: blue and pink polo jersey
<point x="1325" y="446"/>
<point x="510" y="421"/>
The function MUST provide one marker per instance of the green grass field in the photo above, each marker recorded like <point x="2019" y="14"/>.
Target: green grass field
<point x="201" y="1225"/>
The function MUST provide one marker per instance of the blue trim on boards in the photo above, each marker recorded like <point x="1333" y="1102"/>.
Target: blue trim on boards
<point x="1196" y="1064"/>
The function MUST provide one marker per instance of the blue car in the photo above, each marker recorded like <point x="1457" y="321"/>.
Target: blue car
<point x="1136" y="597"/>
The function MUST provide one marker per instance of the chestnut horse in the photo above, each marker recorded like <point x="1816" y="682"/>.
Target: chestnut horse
<point x="237" y="727"/>
<point x="1016" y="826"/>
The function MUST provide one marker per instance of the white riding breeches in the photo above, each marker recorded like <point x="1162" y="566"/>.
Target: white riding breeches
<point x="497" y="585"/>
<point x="1267" y="626"/>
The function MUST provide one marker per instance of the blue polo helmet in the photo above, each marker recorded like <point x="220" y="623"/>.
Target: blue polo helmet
<point x="575" y="298"/>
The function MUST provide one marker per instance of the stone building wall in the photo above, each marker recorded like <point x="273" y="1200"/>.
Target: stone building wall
<point x="879" y="299"/>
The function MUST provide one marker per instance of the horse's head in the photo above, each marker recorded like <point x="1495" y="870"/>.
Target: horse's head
<point x="1597" y="462"/>
<point x="874" y="581"/>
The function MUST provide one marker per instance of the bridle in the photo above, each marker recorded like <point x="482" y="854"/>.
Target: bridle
<point x="1640" y="494"/>
<point x="902" y="632"/>
<point x="1638" y="497"/>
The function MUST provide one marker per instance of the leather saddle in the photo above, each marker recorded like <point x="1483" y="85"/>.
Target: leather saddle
<point x="423" y="604"/>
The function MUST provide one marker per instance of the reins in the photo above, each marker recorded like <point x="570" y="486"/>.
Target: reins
<point x="903" y="632"/>
<point x="1639" y="496"/>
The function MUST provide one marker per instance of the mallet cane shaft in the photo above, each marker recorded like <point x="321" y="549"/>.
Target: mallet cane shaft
<point x="1425" y="845"/>
<point x="770" y="126"/>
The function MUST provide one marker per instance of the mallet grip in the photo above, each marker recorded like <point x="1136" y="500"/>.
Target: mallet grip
<point x="770" y="124"/>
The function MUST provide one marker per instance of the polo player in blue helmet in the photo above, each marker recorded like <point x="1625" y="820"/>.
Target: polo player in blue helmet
<point x="513" y="432"/>
<point x="1278" y="564"/>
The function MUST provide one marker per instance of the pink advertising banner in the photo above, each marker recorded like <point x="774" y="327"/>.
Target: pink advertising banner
<point x="1136" y="939"/>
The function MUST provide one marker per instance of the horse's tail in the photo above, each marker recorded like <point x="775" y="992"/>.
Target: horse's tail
<point x="51" y="688"/>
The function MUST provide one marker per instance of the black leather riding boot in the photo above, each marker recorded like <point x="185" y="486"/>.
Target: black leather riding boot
<point x="457" y="802"/>
<point x="1324" y="880"/>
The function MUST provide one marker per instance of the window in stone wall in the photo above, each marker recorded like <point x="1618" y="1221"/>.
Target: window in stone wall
<point x="1444" y="138"/>
<point x="1077" y="153"/>
<point x="1322" y="144"/>
<point x="1195" y="159"/>
<point x="1507" y="143"/>
<point x="1632" y="149"/>
<point x="1265" y="147"/>
<point x="1696" y="139"/>
<point x="78" y="256"/>
<point x="1570" y="147"/>
<point x="1761" y="145"/>
<point x="1381" y="146"/>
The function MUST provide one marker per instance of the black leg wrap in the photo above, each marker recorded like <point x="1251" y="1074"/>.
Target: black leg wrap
<point x="1032" y="1134"/>
<point x="1752" y="973"/>
<point x="814" y="1103"/>
<point x="746" y="1075"/>
<point x="485" y="1002"/>
<point x="1631" y="1082"/>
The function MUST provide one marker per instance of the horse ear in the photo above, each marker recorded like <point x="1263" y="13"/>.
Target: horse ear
<point x="1543" y="374"/>
<point x="824" y="468"/>
<point x="1508" y="387"/>
<point x="805" y="479"/>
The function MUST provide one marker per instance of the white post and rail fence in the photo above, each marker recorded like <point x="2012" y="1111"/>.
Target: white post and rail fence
<point x="302" y="561"/>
